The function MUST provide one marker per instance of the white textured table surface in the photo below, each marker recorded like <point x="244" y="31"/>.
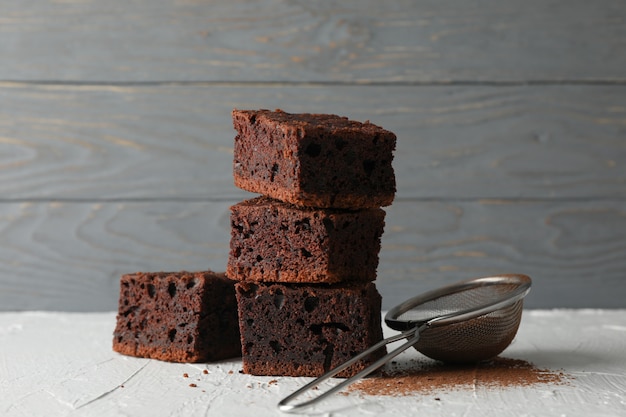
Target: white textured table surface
<point x="61" y="364"/>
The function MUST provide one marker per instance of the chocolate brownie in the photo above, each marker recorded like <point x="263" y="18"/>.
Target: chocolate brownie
<point x="177" y="317"/>
<point x="316" y="160"/>
<point x="306" y="330"/>
<point x="272" y="241"/>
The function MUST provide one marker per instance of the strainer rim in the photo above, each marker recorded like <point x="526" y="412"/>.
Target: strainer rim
<point x="522" y="282"/>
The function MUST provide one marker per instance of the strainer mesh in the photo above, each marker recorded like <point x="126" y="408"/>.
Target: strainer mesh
<point x="467" y="340"/>
<point x="472" y="340"/>
<point x="466" y="299"/>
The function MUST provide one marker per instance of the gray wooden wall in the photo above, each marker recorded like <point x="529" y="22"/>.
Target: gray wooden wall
<point x="116" y="138"/>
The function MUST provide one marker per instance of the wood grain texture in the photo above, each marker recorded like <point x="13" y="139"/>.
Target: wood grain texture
<point x="58" y="256"/>
<point x="116" y="137"/>
<point x="574" y="251"/>
<point x="175" y="142"/>
<point x="297" y="41"/>
<point x="69" y="256"/>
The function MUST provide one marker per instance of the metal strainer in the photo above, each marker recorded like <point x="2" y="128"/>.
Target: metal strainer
<point x="468" y="321"/>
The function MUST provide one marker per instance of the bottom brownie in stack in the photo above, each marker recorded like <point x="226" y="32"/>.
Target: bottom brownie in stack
<point x="177" y="317"/>
<point x="306" y="330"/>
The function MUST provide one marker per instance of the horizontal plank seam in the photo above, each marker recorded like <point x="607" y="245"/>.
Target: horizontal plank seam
<point x="200" y="83"/>
<point x="235" y="199"/>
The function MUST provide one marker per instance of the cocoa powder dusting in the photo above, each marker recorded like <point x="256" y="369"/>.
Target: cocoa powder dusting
<point x="422" y="377"/>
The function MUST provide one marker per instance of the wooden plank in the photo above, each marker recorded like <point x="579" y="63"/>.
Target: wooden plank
<point x="275" y="40"/>
<point x="175" y="142"/>
<point x="69" y="256"/>
<point x="58" y="256"/>
<point x="574" y="251"/>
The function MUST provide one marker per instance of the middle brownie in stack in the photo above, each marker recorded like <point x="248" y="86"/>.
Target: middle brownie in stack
<point x="306" y="252"/>
<point x="272" y="241"/>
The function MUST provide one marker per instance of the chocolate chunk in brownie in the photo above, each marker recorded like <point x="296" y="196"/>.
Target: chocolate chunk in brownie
<point x="272" y="241"/>
<point x="316" y="160"/>
<point x="177" y="317"/>
<point x="306" y="330"/>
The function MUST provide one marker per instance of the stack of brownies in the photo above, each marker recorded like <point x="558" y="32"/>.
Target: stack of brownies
<point x="305" y="252"/>
<point x="297" y="298"/>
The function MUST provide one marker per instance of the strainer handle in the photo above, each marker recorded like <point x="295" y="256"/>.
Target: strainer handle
<point x="412" y="337"/>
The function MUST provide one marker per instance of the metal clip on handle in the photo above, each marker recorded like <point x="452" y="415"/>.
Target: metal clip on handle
<point x="412" y="337"/>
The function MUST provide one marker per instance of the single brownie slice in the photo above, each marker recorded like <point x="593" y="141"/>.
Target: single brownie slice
<point x="177" y="317"/>
<point x="316" y="160"/>
<point x="273" y="241"/>
<point x="306" y="330"/>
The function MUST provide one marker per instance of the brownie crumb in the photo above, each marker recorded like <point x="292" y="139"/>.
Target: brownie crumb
<point x="192" y="385"/>
<point x="206" y="372"/>
<point x="185" y="375"/>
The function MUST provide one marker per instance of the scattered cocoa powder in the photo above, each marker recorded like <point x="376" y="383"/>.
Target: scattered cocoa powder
<point x="424" y="377"/>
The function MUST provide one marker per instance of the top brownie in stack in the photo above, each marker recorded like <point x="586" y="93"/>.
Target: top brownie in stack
<point x="314" y="160"/>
